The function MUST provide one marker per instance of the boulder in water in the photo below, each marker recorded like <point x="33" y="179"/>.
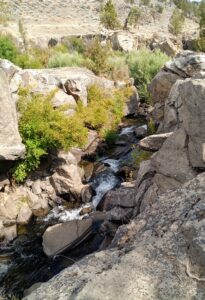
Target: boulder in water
<point x="65" y="236"/>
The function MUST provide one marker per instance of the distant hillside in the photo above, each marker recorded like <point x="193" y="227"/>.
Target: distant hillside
<point x="44" y="19"/>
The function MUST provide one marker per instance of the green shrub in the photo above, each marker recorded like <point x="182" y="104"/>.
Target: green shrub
<point x="111" y="137"/>
<point x="59" y="59"/>
<point x="145" y="2"/>
<point x="144" y="65"/>
<point x="133" y="17"/>
<point x="151" y="127"/>
<point x="75" y="44"/>
<point x="98" y="57"/>
<point x="25" y="61"/>
<point x="118" y="68"/>
<point x="8" y="49"/>
<point x="176" y="22"/>
<point x="42" y="129"/>
<point x="109" y="17"/>
<point x="105" y="108"/>
<point x="188" y="7"/>
<point x="139" y="156"/>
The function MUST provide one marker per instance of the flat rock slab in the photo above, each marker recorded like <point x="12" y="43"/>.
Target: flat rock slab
<point x="154" y="142"/>
<point x="65" y="236"/>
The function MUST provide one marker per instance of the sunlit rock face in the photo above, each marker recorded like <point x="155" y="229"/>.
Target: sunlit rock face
<point x="11" y="147"/>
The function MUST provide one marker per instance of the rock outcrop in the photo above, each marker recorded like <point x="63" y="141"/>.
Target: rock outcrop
<point x="11" y="147"/>
<point x="164" y="86"/>
<point x="161" y="257"/>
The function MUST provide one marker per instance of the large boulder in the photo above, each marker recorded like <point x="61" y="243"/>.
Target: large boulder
<point x="192" y="114"/>
<point x="11" y="147"/>
<point x="165" y="91"/>
<point x="172" y="159"/>
<point x="154" y="142"/>
<point x="123" y="41"/>
<point x="123" y="197"/>
<point x="167" y="47"/>
<point x="185" y="108"/>
<point x="38" y="205"/>
<point x="65" y="236"/>
<point x="131" y="105"/>
<point x="161" y="85"/>
<point x="186" y="64"/>
<point x="173" y="104"/>
<point x="72" y="81"/>
<point x="67" y="179"/>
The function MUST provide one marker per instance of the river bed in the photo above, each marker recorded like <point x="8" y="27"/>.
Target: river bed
<point x="23" y="262"/>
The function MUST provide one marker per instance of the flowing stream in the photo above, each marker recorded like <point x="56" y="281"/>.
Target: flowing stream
<point x="23" y="263"/>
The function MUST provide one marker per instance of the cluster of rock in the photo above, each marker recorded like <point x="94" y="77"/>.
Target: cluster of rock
<point x="160" y="254"/>
<point x="63" y="178"/>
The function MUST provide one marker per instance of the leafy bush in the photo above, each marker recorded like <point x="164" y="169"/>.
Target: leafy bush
<point x="8" y="49"/>
<point x="25" y="61"/>
<point x="108" y="16"/>
<point x="98" y="57"/>
<point x="151" y="127"/>
<point x="144" y="65"/>
<point x="111" y="137"/>
<point x="118" y="68"/>
<point x="59" y="59"/>
<point x="139" y="156"/>
<point x="145" y="2"/>
<point x="75" y="44"/>
<point x="42" y="129"/>
<point x="105" y="108"/>
<point x="176" y="22"/>
<point x="133" y="17"/>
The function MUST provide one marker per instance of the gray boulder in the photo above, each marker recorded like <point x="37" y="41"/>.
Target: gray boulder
<point x="161" y="85"/>
<point x="65" y="236"/>
<point x="141" y="131"/>
<point x="172" y="159"/>
<point x="154" y="142"/>
<point x="11" y="147"/>
<point x="187" y="64"/>
<point x="124" y="197"/>
<point x="192" y="114"/>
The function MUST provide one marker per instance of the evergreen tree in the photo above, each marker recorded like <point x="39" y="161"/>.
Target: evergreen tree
<point x="133" y="17"/>
<point x="109" y="17"/>
<point x="176" y="22"/>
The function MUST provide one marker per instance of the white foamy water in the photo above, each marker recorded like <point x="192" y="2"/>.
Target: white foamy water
<point x="104" y="182"/>
<point x="61" y="214"/>
<point x="127" y="130"/>
<point x="107" y="182"/>
<point x="113" y="164"/>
